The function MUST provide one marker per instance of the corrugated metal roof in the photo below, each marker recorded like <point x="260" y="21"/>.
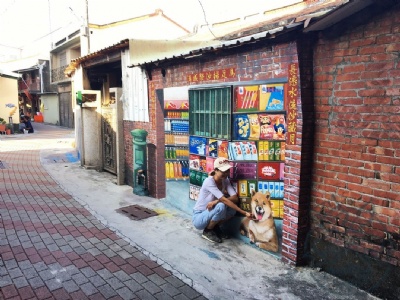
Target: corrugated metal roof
<point x="274" y="23"/>
<point x="9" y="74"/>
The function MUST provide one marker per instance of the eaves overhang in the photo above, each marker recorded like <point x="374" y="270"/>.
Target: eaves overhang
<point x="74" y="64"/>
<point x="9" y="74"/>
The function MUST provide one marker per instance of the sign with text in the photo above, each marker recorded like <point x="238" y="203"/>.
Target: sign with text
<point x="212" y="75"/>
<point x="292" y="95"/>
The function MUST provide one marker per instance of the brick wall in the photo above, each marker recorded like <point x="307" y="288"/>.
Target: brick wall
<point x="267" y="62"/>
<point x="356" y="182"/>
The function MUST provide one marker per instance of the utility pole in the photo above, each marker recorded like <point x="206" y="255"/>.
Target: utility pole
<point x="85" y="31"/>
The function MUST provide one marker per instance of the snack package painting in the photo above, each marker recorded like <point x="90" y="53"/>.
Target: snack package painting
<point x="194" y="162"/>
<point x="245" y="170"/>
<point x="281" y="189"/>
<point x="266" y="127"/>
<point x="203" y="165"/>
<point x="251" y="186"/>
<point x="192" y="177"/>
<point x="209" y="164"/>
<point x="271" y="188"/>
<point x="241" y="127"/>
<point x="236" y="152"/>
<point x="271" y="150"/>
<point x="279" y="126"/>
<point x="213" y="148"/>
<point x="223" y="148"/>
<point x="246" y="150"/>
<point x="245" y="203"/>
<point x="269" y="171"/>
<point x="247" y="98"/>
<point x="266" y="149"/>
<point x="260" y="150"/>
<point x="265" y="186"/>
<point x="243" y="192"/>
<point x="197" y="145"/>
<point x="282" y="171"/>
<point x="260" y="187"/>
<point x="283" y="147"/>
<point x="254" y="127"/>
<point x="253" y="149"/>
<point x="277" y="146"/>
<point x="272" y="97"/>
<point x="276" y="189"/>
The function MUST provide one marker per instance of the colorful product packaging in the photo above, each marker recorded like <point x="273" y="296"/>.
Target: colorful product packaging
<point x="212" y="148"/>
<point x="194" y="162"/>
<point x="260" y="150"/>
<point x="277" y="154"/>
<point x="223" y="148"/>
<point x="244" y="170"/>
<point x="254" y="127"/>
<point x="245" y="203"/>
<point x="272" y="96"/>
<point x="279" y="126"/>
<point x="281" y="189"/>
<point x="269" y="171"/>
<point x="197" y="145"/>
<point x="251" y="186"/>
<point x="247" y="98"/>
<point x="243" y="192"/>
<point x="209" y="164"/>
<point x="241" y="127"/>
<point x="266" y="127"/>
<point x="271" y="150"/>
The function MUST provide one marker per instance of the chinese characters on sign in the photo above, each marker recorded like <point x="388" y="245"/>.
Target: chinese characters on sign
<point x="292" y="105"/>
<point x="212" y="75"/>
<point x="152" y="104"/>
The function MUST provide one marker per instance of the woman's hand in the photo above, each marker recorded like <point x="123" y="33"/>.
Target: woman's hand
<point x="211" y="204"/>
<point x="249" y="215"/>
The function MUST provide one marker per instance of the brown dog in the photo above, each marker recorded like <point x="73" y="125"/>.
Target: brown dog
<point x="261" y="230"/>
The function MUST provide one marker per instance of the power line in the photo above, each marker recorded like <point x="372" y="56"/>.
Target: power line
<point x="205" y="19"/>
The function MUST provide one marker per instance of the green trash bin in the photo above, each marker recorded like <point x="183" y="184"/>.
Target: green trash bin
<point x="139" y="161"/>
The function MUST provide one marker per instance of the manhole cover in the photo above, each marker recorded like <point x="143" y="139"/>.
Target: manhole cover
<point x="137" y="212"/>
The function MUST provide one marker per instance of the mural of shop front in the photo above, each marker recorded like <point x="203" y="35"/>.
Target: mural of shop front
<point x="252" y="116"/>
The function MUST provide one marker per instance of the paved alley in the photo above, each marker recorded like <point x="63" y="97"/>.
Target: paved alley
<point x="62" y="237"/>
<point x="51" y="247"/>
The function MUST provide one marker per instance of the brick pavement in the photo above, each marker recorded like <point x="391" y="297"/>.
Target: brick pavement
<point x="51" y="247"/>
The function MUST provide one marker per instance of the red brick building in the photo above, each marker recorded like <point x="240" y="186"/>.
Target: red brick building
<point x="342" y="180"/>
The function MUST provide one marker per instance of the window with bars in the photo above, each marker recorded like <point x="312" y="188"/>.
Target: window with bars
<point x="210" y="112"/>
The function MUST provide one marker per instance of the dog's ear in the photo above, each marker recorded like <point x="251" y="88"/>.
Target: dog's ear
<point x="253" y="192"/>
<point x="268" y="196"/>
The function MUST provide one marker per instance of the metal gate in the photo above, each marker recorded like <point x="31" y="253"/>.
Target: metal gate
<point x="66" y="113"/>
<point x="109" y="134"/>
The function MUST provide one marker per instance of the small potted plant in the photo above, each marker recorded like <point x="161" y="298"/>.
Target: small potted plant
<point x="2" y="126"/>
<point x="8" y="128"/>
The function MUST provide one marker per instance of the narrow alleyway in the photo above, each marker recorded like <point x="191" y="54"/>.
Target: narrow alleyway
<point x="51" y="247"/>
<point x="62" y="237"/>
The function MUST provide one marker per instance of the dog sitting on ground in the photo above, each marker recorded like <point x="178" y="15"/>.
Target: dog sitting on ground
<point x="261" y="230"/>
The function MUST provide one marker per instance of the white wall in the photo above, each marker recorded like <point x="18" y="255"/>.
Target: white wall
<point x="9" y="94"/>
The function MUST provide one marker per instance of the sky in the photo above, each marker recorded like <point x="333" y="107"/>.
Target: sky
<point x="26" y="21"/>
